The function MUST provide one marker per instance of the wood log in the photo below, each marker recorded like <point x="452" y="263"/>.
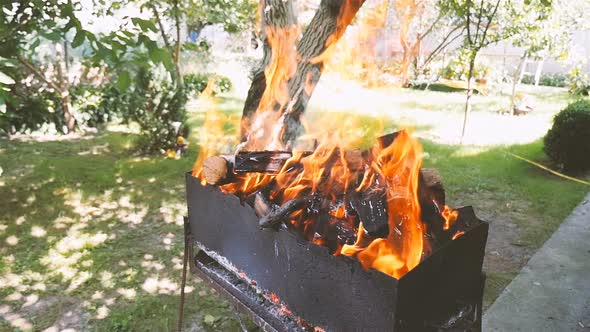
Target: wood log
<point x="262" y="206"/>
<point x="371" y="208"/>
<point x="333" y="232"/>
<point x="219" y="170"/>
<point x="281" y="213"/>
<point x="433" y="181"/>
<point x="355" y="159"/>
<point x="260" y="161"/>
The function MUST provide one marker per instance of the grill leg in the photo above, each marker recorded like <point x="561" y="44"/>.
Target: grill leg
<point x="188" y="252"/>
<point x="479" y="311"/>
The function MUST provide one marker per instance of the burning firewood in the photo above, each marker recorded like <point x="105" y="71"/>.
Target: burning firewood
<point x="260" y="161"/>
<point x="262" y="206"/>
<point x="219" y="170"/>
<point x="432" y="181"/>
<point x="371" y="207"/>
<point x="281" y="213"/>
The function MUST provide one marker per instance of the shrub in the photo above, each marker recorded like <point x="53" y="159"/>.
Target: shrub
<point x="458" y="68"/>
<point x="155" y="103"/>
<point x="87" y="101"/>
<point x="579" y="82"/>
<point x="568" y="141"/>
<point x="556" y="80"/>
<point x="196" y="83"/>
<point x="29" y="109"/>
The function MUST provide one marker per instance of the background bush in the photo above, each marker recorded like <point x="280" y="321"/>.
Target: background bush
<point x="556" y="79"/>
<point x="579" y="82"/>
<point x="29" y="109"/>
<point x="568" y="141"/>
<point x="196" y="83"/>
<point x="458" y="68"/>
<point x="154" y="102"/>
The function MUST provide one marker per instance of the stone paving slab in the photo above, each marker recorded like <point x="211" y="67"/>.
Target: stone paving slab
<point x="552" y="292"/>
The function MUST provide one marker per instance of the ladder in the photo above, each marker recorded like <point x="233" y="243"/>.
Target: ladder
<point x="537" y="72"/>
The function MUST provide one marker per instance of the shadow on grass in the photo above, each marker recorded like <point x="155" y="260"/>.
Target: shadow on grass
<point x="91" y="238"/>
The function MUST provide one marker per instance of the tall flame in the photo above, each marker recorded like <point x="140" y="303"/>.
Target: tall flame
<point x="213" y="138"/>
<point x="264" y="126"/>
<point x="399" y="165"/>
<point x="327" y="173"/>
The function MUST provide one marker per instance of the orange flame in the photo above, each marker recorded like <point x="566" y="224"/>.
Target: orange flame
<point x="326" y="171"/>
<point x="399" y="165"/>
<point x="357" y="56"/>
<point x="213" y="139"/>
<point x="265" y="125"/>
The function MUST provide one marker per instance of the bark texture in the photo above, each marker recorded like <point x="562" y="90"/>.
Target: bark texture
<point x="326" y="27"/>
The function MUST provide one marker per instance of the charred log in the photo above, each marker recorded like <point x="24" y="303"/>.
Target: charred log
<point x="333" y="232"/>
<point x="281" y="213"/>
<point x="219" y="170"/>
<point x="371" y="208"/>
<point x="262" y="206"/>
<point x="260" y="161"/>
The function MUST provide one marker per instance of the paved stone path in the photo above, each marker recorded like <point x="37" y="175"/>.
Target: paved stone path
<point x="552" y="292"/>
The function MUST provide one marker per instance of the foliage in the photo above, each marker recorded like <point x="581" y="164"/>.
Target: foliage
<point x="154" y="103"/>
<point x="579" y="82"/>
<point x="28" y="111"/>
<point x="196" y="83"/>
<point x="554" y="79"/>
<point x="538" y="26"/>
<point x="26" y="26"/>
<point x="568" y="141"/>
<point x="234" y="15"/>
<point x="88" y="101"/>
<point x="458" y="68"/>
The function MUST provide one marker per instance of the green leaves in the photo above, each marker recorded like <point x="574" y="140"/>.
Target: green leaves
<point x="79" y="38"/>
<point x="124" y="81"/>
<point x="234" y="15"/>
<point x="145" y="25"/>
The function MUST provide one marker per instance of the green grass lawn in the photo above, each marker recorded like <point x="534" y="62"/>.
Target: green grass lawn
<point x="91" y="229"/>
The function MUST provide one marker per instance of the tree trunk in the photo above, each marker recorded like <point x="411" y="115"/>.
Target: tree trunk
<point x="515" y="81"/>
<point x="469" y="94"/>
<point x="326" y="27"/>
<point x="66" y="104"/>
<point x="177" y="44"/>
<point x="279" y="14"/>
<point x="64" y="89"/>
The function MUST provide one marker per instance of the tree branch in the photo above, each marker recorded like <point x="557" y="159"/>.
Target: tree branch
<point x="479" y="16"/>
<point x="443" y="44"/>
<point x="38" y="74"/>
<point x="161" y="26"/>
<point x="468" y="25"/>
<point x="177" y="48"/>
<point x="490" y="23"/>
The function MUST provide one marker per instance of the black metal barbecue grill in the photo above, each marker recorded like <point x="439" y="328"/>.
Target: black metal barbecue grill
<point x="285" y="283"/>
